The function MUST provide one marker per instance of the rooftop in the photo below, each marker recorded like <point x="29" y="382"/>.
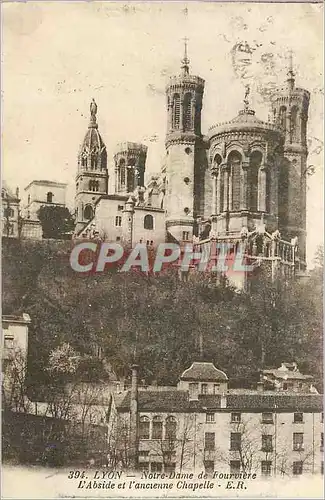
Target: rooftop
<point x="203" y="371"/>
<point x="21" y="318"/>
<point x="287" y="374"/>
<point x="46" y="183"/>
<point x="178" y="402"/>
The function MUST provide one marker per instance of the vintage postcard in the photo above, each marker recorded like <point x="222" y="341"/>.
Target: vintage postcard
<point x="162" y="250"/>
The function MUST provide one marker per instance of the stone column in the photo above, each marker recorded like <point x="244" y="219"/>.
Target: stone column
<point x="116" y="179"/>
<point x="193" y="113"/>
<point x="218" y="200"/>
<point x="169" y="113"/>
<point x="225" y="188"/>
<point x="261" y="201"/>
<point x="230" y="174"/>
<point x="214" y="174"/>
<point x="288" y="126"/>
<point x="244" y="186"/>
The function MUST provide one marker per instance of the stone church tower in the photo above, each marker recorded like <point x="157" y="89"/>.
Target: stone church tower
<point x="130" y="164"/>
<point x="290" y="109"/>
<point x="92" y="174"/>
<point x="184" y="142"/>
<point x="245" y="155"/>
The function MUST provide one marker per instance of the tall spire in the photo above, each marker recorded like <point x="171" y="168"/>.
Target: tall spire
<point x="93" y="113"/>
<point x="185" y="61"/>
<point x="291" y="75"/>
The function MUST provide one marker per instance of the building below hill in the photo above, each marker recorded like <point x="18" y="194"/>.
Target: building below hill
<point x="203" y="425"/>
<point x="23" y="222"/>
<point x="10" y="202"/>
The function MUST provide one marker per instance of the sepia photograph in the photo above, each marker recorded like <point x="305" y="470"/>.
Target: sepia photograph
<point x="162" y="249"/>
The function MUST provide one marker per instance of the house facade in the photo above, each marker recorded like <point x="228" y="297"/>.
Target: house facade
<point x="203" y="425"/>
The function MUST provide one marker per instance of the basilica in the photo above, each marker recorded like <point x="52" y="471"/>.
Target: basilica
<point x="244" y="181"/>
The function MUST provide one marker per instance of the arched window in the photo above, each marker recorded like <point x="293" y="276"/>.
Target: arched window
<point x="144" y="428"/>
<point x="91" y="183"/>
<point x="282" y="118"/>
<point x="254" y="165"/>
<point x="187" y="122"/>
<point x="217" y="160"/>
<point x="171" y="428"/>
<point x="28" y="199"/>
<point x="96" y="185"/>
<point x="49" y="197"/>
<point x="93" y="161"/>
<point x="88" y="212"/>
<point x="294" y="124"/>
<point x="234" y="162"/>
<point x="176" y="110"/>
<point x="148" y="222"/>
<point x="122" y="172"/>
<point x="157" y="428"/>
<point x="130" y="179"/>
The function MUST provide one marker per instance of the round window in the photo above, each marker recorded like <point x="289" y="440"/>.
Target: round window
<point x="186" y="180"/>
<point x="188" y="151"/>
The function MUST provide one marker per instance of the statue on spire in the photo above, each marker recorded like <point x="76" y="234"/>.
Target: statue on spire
<point x="246" y="101"/>
<point x="185" y="60"/>
<point x="93" y="113"/>
<point x="93" y="108"/>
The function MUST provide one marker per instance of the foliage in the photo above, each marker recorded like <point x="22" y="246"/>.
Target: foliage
<point x="63" y="360"/>
<point x="112" y="318"/>
<point x="57" y="222"/>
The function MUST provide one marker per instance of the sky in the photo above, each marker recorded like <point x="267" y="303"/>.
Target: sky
<point x="57" y="56"/>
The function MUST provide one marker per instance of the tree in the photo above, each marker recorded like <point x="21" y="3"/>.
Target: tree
<point x="57" y="222"/>
<point x="14" y="389"/>
<point x="164" y="323"/>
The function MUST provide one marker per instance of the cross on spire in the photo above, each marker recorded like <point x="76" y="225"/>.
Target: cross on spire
<point x="185" y="60"/>
<point x="291" y="74"/>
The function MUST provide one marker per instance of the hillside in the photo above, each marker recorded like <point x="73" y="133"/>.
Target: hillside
<point x="159" y="321"/>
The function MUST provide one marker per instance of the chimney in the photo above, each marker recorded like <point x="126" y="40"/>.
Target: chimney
<point x="260" y="386"/>
<point x="134" y="419"/>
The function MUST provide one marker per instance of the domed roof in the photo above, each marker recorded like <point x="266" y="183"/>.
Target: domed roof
<point x="245" y="120"/>
<point x="203" y="371"/>
<point x="93" y="141"/>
